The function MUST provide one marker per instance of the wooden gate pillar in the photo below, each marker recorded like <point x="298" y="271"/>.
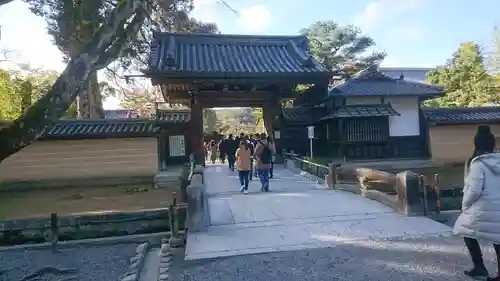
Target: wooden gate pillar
<point x="270" y="112"/>
<point x="196" y="131"/>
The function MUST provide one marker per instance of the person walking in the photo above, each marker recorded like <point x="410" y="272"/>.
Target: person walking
<point x="263" y="156"/>
<point x="255" y="141"/>
<point x="231" y="147"/>
<point x="251" y="147"/>
<point x="213" y="151"/>
<point x="480" y="217"/>
<point x="273" y="156"/>
<point x="206" y="148"/>
<point x="222" y="150"/>
<point x="243" y="164"/>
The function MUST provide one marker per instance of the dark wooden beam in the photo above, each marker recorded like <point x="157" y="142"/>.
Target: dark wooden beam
<point x="229" y="95"/>
<point x="268" y="79"/>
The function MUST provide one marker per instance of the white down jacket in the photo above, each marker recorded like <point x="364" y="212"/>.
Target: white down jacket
<point x="480" y="217"/>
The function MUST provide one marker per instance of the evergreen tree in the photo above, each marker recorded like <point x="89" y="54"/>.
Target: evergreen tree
<point x="465" y="79"/>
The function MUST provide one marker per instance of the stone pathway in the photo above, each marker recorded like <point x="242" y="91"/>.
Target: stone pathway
<point x="422" y="259"/>
<point x="297" y="214"/>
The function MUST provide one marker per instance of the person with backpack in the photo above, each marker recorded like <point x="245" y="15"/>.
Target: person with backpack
<point x="480" y="217"/>
<point x="263" y="158"/>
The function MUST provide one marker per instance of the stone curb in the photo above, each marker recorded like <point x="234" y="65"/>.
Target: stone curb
<point x="136" y="262"/>
<point x="165" y="260"/>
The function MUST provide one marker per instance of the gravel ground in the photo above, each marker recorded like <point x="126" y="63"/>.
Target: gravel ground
<point x="411" y="260"/>
<point x="93" y="263"/>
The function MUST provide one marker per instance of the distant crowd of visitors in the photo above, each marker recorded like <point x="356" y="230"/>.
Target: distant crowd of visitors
<point x="251" y="155"/>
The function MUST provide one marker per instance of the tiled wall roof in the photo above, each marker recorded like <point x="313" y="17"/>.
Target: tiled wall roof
<point x="372" y="82"/>
<point x="111" y="128"/>
<point x="69" y="129"/>
<point x="471" y="115"/>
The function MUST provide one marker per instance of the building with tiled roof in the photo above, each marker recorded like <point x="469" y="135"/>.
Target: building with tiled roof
<point x="72" y="151"/>
<point x="370" y="115"/>
<point x="222" y="70"/>
<point x="451" y="130"/>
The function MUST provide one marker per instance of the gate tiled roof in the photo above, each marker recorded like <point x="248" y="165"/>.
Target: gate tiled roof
<point x="231" y="56"/>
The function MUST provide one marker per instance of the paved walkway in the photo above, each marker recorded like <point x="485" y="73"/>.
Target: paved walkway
<point x="297" y="214"/>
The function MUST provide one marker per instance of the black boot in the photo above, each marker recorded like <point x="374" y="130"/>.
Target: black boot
<point x="478" y="273"/>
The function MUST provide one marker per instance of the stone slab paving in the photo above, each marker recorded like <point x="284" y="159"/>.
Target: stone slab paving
<point x="422" y="259"/>
<point x="297" y="214"/>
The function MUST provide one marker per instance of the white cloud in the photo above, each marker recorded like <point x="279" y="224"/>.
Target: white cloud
<point x="380" y="10"/>
<point x="254" y="19"/>
<point x="26" y="36"/>
<point x="111" y="103"/>
<point x="248" y="19"/>
<point x="205" y="10"/>
<point x="391" y="61"/>
<point x="406" y="33"/>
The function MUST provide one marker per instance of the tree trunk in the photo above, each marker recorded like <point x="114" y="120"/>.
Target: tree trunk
<point x="105" y="46"/>
<point x="90" y="100"/>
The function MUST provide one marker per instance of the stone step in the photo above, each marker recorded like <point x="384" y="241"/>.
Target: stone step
<point x="150" y="264"/>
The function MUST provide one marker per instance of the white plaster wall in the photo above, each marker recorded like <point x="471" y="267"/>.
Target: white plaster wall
<point x="362" y="100"/>
<point x="407" y="124"/>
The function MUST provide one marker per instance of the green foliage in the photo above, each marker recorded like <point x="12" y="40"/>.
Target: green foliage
<point x="210" y="120"/>
<point x="465" y="79"/>
<point x="341" y="49"/>
<point x="20" y="90"/>
<point x="142" y="101"/>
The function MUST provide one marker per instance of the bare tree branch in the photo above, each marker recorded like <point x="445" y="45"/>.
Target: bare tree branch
<point x="56" y="102"/>
<point x="3" y="2"/>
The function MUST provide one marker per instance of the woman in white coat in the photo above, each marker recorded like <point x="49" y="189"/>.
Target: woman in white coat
<point x="480" y="217"/>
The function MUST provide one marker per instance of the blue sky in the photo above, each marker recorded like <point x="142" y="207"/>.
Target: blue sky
<point x="413" y="32"/>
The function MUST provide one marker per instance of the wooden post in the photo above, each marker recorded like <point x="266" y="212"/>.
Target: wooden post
<point x="159" y="152"/>
<point x="342" y="139"/>
<point x="270" y="111"/>
<point x="175" y="216"/>
<point x="196" y="132"/>
<point x="424" y="189"/>
<point x="407" y="188"/>
<point x="331" y="177"/>
<point x="54" y="227"/>
<point x="437" y="190"/>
